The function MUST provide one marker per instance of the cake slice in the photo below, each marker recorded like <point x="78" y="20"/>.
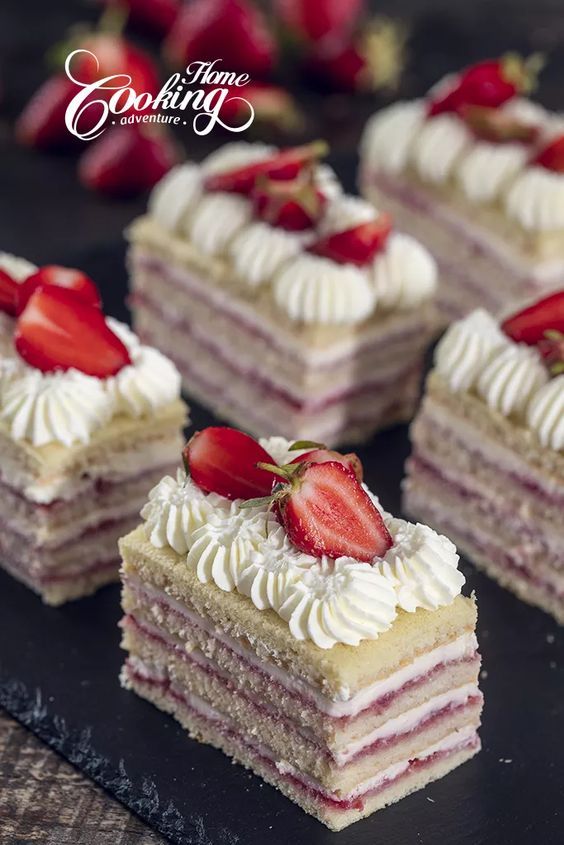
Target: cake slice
<point x="279" y="297"/>
<point x="89" y="421"/>
<point x="487" y="466"/>
<point x="476" y="172"/>
<point x="312" y="637"/>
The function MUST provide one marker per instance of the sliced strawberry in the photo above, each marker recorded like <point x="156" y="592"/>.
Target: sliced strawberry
<point x="551" y="156"/>
<point x="321" y="456"/>
<point x="529" y="325"/>
<point x="224" y="461"/>
<point x="292" y="204"/>
<point x="285" y="164"/>
<point x="322" y="19"/>
<point x="62" y="277"/>
<point x="235" y="31"/>
<point x="489" y="83"/>
<point x="8" y="294"/>
<point x="58" y="331"/>
<point x="325" y="511"/>
<point x="358" y="245"/>
<point x="42" y="122"/>
<point x="126" y="160"/>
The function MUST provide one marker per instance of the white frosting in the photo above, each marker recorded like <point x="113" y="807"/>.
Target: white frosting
<point x="344" y="212"/>
<point x="16" y="267"/>
<point x="272" y="569"/>
<point x="422" y="565"/>
<point x="222" y="547"/>
<point x="465" y="348"/>
<point x="404" y="273"/>
<point x="176" y="192"/>
<point x="438" y="144"/>
<point x="311" y="289"/>
<point x="45" y="407"/>
<point x="340" y="601"/>
<point x="510" y="378"/>
<point x="327" y="181"/>
<point x="487" y="168"/>
<point x="536" y="199"/>
<point x="175" y="510"/>
<point x="545" y="414"/>
<point x="215" y="219"/>
<point x="389" y="135"/>
<point x="150" y="382"/>
<point x="259" y="250"/>
<point x="235" y="155"/>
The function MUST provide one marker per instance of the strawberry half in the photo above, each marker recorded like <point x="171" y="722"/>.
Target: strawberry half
<point x="322" y="456"/>
<point x="292" y="204"/>
<point x="325" y="511"/>
<point x="489" y="83"/>
<point x="126" y="161"/>
<point x="356" y="246"/>
<point x="61" y="277"/>
<point x="529" y="325"/>
<point x="285" y="164"/>
<point x="223" y="460"/>
<point x="58" y="331"/>
<point x="551" y="157"/>
<point x="8" y="294"/>
<point x="42" y="121"/>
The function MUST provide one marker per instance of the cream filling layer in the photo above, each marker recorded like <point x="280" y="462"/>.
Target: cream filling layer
<point x="344" y="703"/>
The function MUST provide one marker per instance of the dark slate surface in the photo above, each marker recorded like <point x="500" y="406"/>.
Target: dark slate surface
<point x="59" y="667"/>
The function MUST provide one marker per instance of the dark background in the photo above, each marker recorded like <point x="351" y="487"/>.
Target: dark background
<point x="58" y="668"/>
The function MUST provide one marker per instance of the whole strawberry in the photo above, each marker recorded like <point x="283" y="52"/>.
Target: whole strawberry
<point x="292" y="204"/>
<point x="127" y="160"/>
<point x="489" y="83"/>
<point x="315" y="20"/>
<point x="235" y="31"/>
<point x="153" y="16"/>
<point x="531" y="324"/>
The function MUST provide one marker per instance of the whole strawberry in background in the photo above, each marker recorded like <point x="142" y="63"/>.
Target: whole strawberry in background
<point x="153" y="16"/>
<point x="317" y="20"/>
<point x="235" y="31"/>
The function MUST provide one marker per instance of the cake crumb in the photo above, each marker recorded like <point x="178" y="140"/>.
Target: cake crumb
<point x="550" y="638"/>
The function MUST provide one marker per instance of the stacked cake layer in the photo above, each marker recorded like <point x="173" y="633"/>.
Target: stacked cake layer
<point x="492" y="486"/>
<point x="342" y="732"/>
<point x="245" y="360"/>
<point x="65" y="507"/>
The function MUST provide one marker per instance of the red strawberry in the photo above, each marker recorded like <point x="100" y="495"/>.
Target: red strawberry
<point x="372" y="59"/>
<point x="285" y="164"/>
<point x="495" y="125"/>
<point x="115" y="55"/>
<point x="551" y="348"/>
<point x="58" y="331"/>
<point x="489" y="83"/>
<point x="529" y="325"/>
<point x="155" y="16"/>
<point x="313" y="21"/>
<point x="42" y="122"/>
<point x="551" y="156"/>
<point x="325" y="511"/>
<point x="322" y="455"/>
<point x="234" y="31"/>
<point x="293" y="204"/>
<point x="63" y="277"/>
<point x="272" y="105"/>
<point x="224" y="461"/>
<point x="127" y="160"/>
<point x="358" y="245"/>
<point x="8" y="294"/>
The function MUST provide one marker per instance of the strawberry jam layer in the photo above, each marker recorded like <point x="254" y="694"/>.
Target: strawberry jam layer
<point x="138" y="673"/>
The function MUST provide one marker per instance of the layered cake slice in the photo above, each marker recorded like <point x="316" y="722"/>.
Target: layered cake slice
<point x="488" y="448"/>
<point x="89" y="421"/>
<point x="280" y="615"/>
<point x="476" y="172"/>
<point x="279" y="297"/>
